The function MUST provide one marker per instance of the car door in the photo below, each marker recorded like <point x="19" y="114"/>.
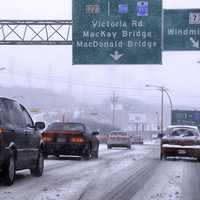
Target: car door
<point x="16" y="127"/>
<point x="32" y="136"/>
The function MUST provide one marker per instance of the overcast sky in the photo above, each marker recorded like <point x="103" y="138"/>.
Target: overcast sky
<point x="51" y="66"/>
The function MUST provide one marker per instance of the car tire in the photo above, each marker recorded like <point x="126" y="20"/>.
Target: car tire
<point x="9" y="171"/>
<point x="38" y="171"/>
<point x="129" y="147"/>
<point x="45" y="155"/>
<point x="57" y="155"/>
<point x="109" y="147"/>
<point x="87" y="153"/>
<point x="161" y="156"/>
<point x="95" y="154"/>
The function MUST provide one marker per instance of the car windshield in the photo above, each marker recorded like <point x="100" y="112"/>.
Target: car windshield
<point x="65" y="127"/>
<point x="183" y="132"/>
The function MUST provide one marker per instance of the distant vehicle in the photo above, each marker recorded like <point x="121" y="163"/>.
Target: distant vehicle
<point x="119" y="139"/>
<point x="21" y="146"/>
<point x="137" y="139"/>
<point x="61" y="138"/>
<point x="181" y="141"/>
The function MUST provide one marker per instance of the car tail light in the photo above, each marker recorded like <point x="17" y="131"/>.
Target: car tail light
<point x="2" y="131"/>
<point x="47" y="138"/>
<point x="77" y="140"/>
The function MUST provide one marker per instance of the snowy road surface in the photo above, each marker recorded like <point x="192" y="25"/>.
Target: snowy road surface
<point x="118" y="174"/>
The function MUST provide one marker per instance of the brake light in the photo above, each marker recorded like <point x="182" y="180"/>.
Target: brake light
<point x="47" y="138"/>
<point x="2" y="131"/>
<point x="77" y="140"/>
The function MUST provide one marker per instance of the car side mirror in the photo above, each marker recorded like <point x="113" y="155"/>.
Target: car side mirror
<point x="39" y="125"/>
<point x="95" y="133"/>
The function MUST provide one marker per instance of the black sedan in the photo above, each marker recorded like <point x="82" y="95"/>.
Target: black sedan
<point x="61" y="138"/>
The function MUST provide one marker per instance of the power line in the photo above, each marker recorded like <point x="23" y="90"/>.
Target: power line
<point x="62" y="80"/>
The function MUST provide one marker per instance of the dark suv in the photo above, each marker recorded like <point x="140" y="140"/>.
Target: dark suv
<point x="65" y="138"/>
<point x="21" y="145"/>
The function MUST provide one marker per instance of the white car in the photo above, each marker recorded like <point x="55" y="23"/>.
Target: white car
<point x="119" y="139"/>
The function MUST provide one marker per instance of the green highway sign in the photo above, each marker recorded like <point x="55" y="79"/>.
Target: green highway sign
<point x="117" y="31"/>
<point x="182" y="29"/>
<point x="186" y="117"/>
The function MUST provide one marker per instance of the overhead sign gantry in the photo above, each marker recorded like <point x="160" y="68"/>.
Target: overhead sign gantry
<point x="35" y="32"/>
<point x="117" y="31"/>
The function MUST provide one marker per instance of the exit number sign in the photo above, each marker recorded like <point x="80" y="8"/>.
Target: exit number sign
<point x="182" y="30"/>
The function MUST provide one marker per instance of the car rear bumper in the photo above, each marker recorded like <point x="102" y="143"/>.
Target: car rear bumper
<point x="137" y="142"/>
<point x="65" y="149"/>
<point x="182" y="151"/>
<point x="119" y="144"/>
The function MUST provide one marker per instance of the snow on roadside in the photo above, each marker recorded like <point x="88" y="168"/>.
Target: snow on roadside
<point x="71" y="190"/>
<point x="165" y="183"/>
<point x="152" y="142"/>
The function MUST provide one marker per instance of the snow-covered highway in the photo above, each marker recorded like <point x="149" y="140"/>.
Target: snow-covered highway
<point x="135" y="174"/>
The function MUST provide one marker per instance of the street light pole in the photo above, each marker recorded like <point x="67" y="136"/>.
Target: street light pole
<point x="161" y="121"/>
<point x="163" y="89"/>
<point x="158" y="121"/>
<point x="171" y="105"/>
<point x="114" y="101"/>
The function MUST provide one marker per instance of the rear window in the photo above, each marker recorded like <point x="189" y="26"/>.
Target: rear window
<point x="183" y="132"/>
<point x="66" y="127"/>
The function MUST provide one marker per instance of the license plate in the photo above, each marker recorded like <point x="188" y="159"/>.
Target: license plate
<point x="61" y="139"/>
<point x="181" y="151"/>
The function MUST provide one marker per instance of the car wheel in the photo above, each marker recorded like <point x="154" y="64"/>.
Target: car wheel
<point x="95" y="154"/>
<point x="45" y="155"/>
<point x="9" y="171"/>
<point x="87" y="153"/>
<point x="129" y="147"/>
<point x="57" y="155"/>
<point x="161" y="156"/>
<point x="109" y="147"/>
<point x="38" y="171"/>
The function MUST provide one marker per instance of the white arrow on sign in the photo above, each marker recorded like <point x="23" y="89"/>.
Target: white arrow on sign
<point x="194" y="43"/>
<point x="116" y="56"/>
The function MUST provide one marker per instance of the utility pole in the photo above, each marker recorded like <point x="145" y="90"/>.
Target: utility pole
<point x="163" y="90"/>
<point x="161" y="122"/>
<point x="158" y="121"/>
<point x="113" y="101"/>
